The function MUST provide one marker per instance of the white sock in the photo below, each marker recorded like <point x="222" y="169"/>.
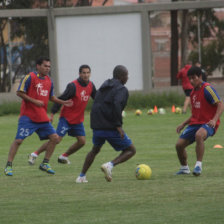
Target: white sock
<point x="184" y="167"/>
<point x="111" y="165"/>
<point x="199" y="163"/>
<point x="34" y="154"/>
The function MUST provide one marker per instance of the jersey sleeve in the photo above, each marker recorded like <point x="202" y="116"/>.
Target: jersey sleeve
<point x="25" y="84"/>
<point x="69" y="93"/>
<point x="211" y="95"/>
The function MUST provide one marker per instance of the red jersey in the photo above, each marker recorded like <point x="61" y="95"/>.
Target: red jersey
<point x="37" y="88"/>
<point x="202" y="110"/>
<point x="75" y="113"/>
<point x="182" y="74"/>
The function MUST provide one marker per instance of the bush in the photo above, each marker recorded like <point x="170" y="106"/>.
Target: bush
<point x="136" y="100"/>
<point x="10" y="108"/>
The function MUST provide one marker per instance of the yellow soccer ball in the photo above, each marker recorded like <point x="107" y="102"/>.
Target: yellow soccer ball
<point x="178" y="110"/>
<point x="143" y="172"/>
<point x="138" y="112"/>
<point x="150" y="112"/>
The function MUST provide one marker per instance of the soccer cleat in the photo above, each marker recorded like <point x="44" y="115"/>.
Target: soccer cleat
<point x="32" y="158"/>
<point x="183" y="171"/>
<point x="197" y="171"/>
<point x="63" y="159"/>
<point x="46" y="167"/>
<point x="107" y="169"/>
<point x="8" y="171"/>
<point x="81" y="180"/>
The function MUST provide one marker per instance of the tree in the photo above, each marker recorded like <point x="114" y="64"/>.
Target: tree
<point x="33" y="32"/>
<point x="184" y="37"/>
<point x="5" y="84"/>
<point x="212" y="29"/>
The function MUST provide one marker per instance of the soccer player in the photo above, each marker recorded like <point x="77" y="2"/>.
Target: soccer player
<point x="35" y="90"/>
<point x="106" y="122"/>
<point x="71" y="118"/>
<point x="186" y="85"/>
<point x="203" y="123"/>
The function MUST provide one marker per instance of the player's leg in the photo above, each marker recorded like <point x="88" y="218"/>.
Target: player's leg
<point x="97" y="145"/>
<point x="187" y="103"/>
<point x="73" y="130"/>
<point x="25" y="128"/>
<point x="81" y="141"/>
<point x="47" y="131"/>
<point x="185" y="139"/>
<point x="12" y="153"/>
<point x="33" y="156"/>
<point x="200" y="136"/>
<point x="45" y="166"/>
<point x="87" y="163"/>
<point x="182" y="154"/>
<point x="125" y="155"/>
<point x="119" y="144"/>
<point x="14" y="148"/>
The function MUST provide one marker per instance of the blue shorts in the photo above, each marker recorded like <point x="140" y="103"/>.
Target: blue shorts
<point x="190" y="131"/>
<point x="26" y="127"/>
<point x="72" y="129"/>
<point x="113" y="137"/>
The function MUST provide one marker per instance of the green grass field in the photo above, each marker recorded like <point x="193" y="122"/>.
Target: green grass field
<point x="33" y="196"/>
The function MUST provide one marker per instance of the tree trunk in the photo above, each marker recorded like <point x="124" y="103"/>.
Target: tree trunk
<point x="4" y="76"/>
<point x="184" y="38"/>
<point x="174" y="48"/>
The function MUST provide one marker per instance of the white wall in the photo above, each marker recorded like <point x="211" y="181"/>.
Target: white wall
<point x="101" y="41"/>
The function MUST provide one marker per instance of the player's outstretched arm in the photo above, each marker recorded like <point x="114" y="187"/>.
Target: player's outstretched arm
<point x="181" y="126"/>
<point x="67" y="103"/>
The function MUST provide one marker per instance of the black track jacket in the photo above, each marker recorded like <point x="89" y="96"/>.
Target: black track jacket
<point x="110" y="101"/>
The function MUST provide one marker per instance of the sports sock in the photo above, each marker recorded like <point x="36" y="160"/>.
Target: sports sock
<point x="184" y="167"/>
<point x="36" y="152"/>
<point x="8" y="164"/>
<point x="199" y="163"/>
<point x="46" y="160"/>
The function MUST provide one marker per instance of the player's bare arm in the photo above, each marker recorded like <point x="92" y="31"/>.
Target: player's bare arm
<point x="24" y="96"/>
<point x="67" y="103"/>
<point x="219" y="111"/>
<point x="181" y="126"/>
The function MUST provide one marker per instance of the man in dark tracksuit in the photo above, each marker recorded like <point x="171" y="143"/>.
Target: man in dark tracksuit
<point x="106" y="122"/>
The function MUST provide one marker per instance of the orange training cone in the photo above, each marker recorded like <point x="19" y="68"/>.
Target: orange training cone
<point x="173" y="109"/>
<point x="217" y="147"/>
<point x="155" y="110"/>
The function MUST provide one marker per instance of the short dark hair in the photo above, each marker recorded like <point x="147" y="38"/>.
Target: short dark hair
<point x="40" y="60"/>
<point x="119" y="71"/>
<point x="194" y="70"/>
<point x="84" y="66"/>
